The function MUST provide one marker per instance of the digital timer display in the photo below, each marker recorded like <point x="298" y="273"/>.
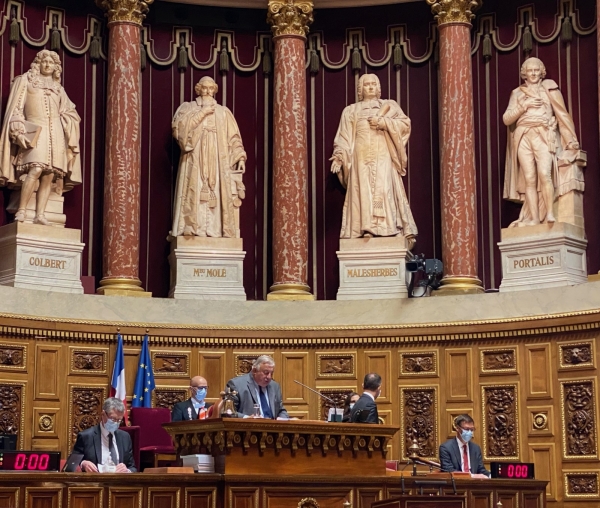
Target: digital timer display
<point x="513" y="470"/>
<point x="30" y="461"/>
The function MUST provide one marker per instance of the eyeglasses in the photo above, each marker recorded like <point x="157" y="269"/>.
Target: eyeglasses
<point x="198" y="387"/>
<point x="472" y="429"/>
<point x="112" y="419"/>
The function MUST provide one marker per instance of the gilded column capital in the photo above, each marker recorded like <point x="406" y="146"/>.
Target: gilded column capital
<point x="290" y="17"/>
<point x="454" y="11"/>
<point x="128" y="11"/>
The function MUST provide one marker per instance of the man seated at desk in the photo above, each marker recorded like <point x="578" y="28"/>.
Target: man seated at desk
<point x="104" y="444"/>
<point x="258" y="388"/>
<point x="194" y="408"/>
<point x="460" y="453"/>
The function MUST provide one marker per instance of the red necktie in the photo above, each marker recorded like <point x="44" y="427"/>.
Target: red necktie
<point x="465" y="459"/>
<point x="202" y="414"/>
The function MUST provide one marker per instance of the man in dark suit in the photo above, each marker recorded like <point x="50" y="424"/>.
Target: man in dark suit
<point x="194" y="408"/>
<point x="460" y="453"/>
<point x="258" y="387"/>
<point x="365" y="408"/>
<point x="105" y="443"/>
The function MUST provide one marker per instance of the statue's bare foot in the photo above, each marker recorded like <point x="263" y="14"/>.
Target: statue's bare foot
<point x="530" y="222"/>
<point x="20" y="215"/>
<point x="41" y="219"/>
<point x="188" y="231"/>
<point x="550" y="219"/>
<point x="367" y="235"/>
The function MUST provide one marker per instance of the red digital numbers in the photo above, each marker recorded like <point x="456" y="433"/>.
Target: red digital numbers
<point x="32" y="461"/>
<point x="517" y="471"/>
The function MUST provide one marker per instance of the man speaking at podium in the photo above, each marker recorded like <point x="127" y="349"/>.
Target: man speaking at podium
<point x="365" y="408"/>
<point x="460" y="454"/>
<point x="257" y="388"/>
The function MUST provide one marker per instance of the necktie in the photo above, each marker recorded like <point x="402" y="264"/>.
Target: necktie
<point x="111" y="449"/>
<point x="465" y="459"/>
<point x="201" y="413"/>
<point x="264" y="404"/>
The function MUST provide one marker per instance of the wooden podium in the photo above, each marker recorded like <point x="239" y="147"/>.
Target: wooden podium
<point x="248" y="446"/>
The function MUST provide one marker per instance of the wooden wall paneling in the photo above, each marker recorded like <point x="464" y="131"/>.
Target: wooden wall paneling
<point x="48" y="360"/>
<point x="419" y="420"/>
<point x="13" y="407"/>
<point x="577" y="355"/>
<point x="459" y="375"/>
<point x="581" y="485"/>
<point x="481" y="499"/>
<point x="543" y="456"/>
<point x="89" y="360"/>
<point x="242" y="362"/>
<point x="448" y="422"/>
<point x="532" y="500"/>
<point x="43" y="497"/>
<point x="242" y="497"/>
<point x="336" y="365"/>
<point x="13" y="355"/>
<point x="500" y="421"/>
<point x="498" y="361"/>
<point x="212" y="367"/>
<point x="541" y="421"/>
<point x="307" y="497"/>
<point x="508" y="498"/>
<point x="125" y="497"/>
<point x="168" y="396"/>
<point x="85" y="497"/>
<point x="200" y="497"/>
<point x="164" y="497"/>
<point x="46" y="422"/>
<point x="380" y="362"/>
<point x="579" y="417"/>
<point x="422" y="363"/>
<point x="85" y="407"/>
<point x="539" y="378"/>
<point x="9" y="496"/>
<point x="295" y="366"/>
<point x="171" y="364"/>
<point x="367" y="495"/>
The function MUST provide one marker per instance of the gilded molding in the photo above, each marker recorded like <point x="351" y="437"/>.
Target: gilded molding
<point x="125" y="11"/>
<point x="290" y="17"/>
<point x="454" y="11"/>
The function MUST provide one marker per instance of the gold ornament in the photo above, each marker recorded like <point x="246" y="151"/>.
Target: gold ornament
<point x="454" y="11"/>
<point x="290" y="17"/>
<point x="132" y="11"/>
<point x="46" y="423"/>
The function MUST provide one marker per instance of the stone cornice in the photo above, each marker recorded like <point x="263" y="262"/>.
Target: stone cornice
<point x="290" y="17"/>
<point x="125" y="11"/>
<point x="454" y="11"/>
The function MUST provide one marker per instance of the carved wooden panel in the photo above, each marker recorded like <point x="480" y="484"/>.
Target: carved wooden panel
<point x="336" y="365"/>
<point x="200" y="497"/>
<point x="368" y="495"/>
<point x="241" y="497"/>
<point x="459" y="379"/>
<point x="336" y="394"/>
<point x="309" y="497"/>
<point x="88" y="360"/>
<point x="85" y="497"/>
<point x="423" y="363"/>
<point x="419" y="420"/>
<point x="543" y="457"/>
<point x="294" y="366"/>
<point x="12" y="410"/>
<point x="581" y="485"/>
<point x="13" y="356"/>
<point x="578" y="408"/>
<point x="125" y="497"/>
<point x="380" y="362"/>
<point x="171" y="363"/>
<point x="48" y="497"/>
<point x="508" y="499"/>
<point x="498" y="361"/>
<point x="541" y="420"/>
<point x="539" y="379"/>
<point x="45" y="422"/>
<point x="500" y="431"/>
<point x="212" y="365"/>
<point x="9" y="496"/>
<point x="164" y="497"/>
<point x="243" y="361"/>
<point x="85" y="408"/>
<point x="47" y="375"/>
<point x="576" y="355"/>
<point x="168" y="396"/>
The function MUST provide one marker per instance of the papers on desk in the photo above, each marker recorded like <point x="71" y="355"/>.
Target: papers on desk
<point x="200" y="462"/>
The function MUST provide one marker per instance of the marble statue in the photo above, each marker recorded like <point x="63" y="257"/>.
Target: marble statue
<point x="209" y="188"/>
<point x="543" y="157"/>
<point x="39" y="142"/>
<point x="369" y="157"/>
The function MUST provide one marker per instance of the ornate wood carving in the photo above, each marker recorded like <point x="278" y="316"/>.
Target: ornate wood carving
<point x="578" y="355"/>
<point x="337" y="394"/>
<point x="498" y="361"/>
<point x="308" y="502"/>
<point x="168" y="396"/>
<point x="579" y="419"/>
<point x="88" y="360"/>
<point x="85" y="407"/>
<point x="243" y="362"/>
<point x="12" y="410"/>
<point x="336" y="365"/>
<point x="418" y="407"/>
<point x="582" y="484"/>
<point x="500" y="422"/>
<point x="13" y="357"/>
<point x="168" y="364"/>
<point x="419" y="364"/>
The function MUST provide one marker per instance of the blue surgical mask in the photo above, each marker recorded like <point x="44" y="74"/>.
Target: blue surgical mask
<point x="351" y="405"/>
<point x="200" y="394"/>
<point x="466" y="435"/>
<point x="111" y="426"/>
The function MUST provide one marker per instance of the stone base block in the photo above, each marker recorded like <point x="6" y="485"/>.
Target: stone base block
<point x="207" y="268"/>
<point x="543" y="256"/>
<point x="372" y="268"/>
<point x="46" y="258"/>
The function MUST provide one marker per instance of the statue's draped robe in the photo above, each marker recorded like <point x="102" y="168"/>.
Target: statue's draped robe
<point x="210" y="151"/>
<point x="43" y="103"/>
<point x="374" y="162"/>
<point x="521" y="123"/>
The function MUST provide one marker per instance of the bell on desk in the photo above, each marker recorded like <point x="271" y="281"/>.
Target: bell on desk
<point x="228" y="405"/>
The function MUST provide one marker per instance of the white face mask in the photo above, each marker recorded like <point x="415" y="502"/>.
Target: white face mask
<point x="351" y="405"/>
<point x="111" y="426"/>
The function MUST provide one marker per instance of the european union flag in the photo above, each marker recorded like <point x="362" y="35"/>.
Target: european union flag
<point x="144" y="380"/>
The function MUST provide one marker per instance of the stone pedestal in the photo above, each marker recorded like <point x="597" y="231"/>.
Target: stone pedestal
<point x="207" y="268"/>
<point x="544" y="256"/>
<point x="372" y="268"/>
<point x="41" y="257"/>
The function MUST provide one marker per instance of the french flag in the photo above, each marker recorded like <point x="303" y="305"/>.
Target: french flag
<point x="117" y="385"/>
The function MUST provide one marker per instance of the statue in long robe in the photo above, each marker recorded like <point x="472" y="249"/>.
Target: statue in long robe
<point x="369" y="157"/>
<point x="39" y="141"/>
<point x="209" y="183"/>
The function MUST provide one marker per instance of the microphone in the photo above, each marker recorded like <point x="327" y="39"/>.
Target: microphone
<point x="408" y="463"/>
<point x="322" y="396"/>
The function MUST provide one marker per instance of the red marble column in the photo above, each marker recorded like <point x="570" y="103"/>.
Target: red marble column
<point x="290" y="155"/>
<point x="457" y="141"/>
<point x="123" y="150"/>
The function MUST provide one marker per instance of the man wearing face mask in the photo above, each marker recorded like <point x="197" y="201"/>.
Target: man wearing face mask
<point x="194" y="408"/>
<point x="460" y="453"/>
<point x="104" y="444"/>
<point x="365" y="409"/>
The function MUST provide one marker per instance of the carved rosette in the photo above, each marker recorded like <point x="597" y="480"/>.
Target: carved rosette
<point x="579" y="419"/>
<point x="125" y="11"/>
<point x="500" y="422"/>
<point x="454" y="11"/>
<point x="582" y="485"/>
<point x="418" y="408"/>
<point x="290" y="17"/>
